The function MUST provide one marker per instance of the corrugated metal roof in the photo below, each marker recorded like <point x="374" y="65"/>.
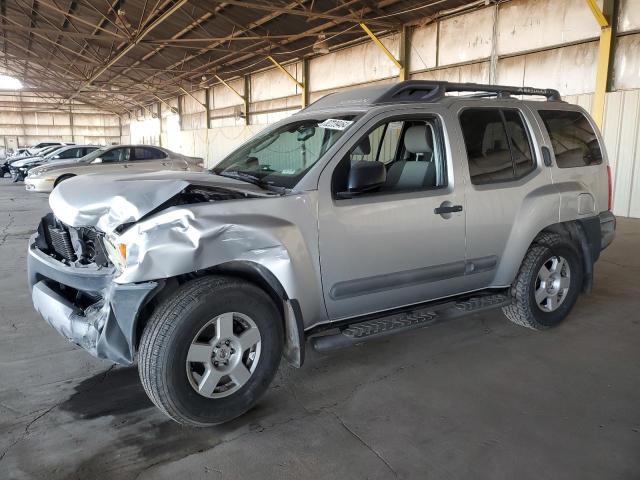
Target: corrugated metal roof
<point x="121" y="54"/>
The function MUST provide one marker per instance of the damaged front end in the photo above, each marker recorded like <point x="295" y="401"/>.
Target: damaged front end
<point x="71" y="281"/>
<point x="116" y="244"/>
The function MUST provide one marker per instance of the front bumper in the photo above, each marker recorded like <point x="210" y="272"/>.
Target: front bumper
<point x="39" y="184"/>
<point x="105" y="326"/>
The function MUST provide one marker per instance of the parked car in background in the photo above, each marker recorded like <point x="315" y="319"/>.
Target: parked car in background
<point x="112" y="159"/>
<point x="37" y="149"/>
<point x="6" y="166"/>
<point x="20" y="168"/>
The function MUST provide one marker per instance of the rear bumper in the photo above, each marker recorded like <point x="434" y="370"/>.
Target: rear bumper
<point x="607" y="229"/>
<point x="105" y="325"/>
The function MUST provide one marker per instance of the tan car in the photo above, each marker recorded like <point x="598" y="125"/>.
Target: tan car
<point x="112" y="159"/>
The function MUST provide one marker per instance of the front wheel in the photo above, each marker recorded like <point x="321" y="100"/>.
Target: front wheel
<point x="210" y="350"/>
<point x="547" y="285"/>
<point x="61" y="179"/>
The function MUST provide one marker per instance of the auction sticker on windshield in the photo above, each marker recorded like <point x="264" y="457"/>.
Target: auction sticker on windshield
<point x="335" y="124"/>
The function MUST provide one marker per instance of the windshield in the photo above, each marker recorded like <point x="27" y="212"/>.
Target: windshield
<point x="54" y="152"/>
<point x="48" y="150"/>
<point x="282" y="156"/>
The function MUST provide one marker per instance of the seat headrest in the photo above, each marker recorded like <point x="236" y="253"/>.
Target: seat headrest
<point x="417" y="139"/>
<point x="364" y="147"/>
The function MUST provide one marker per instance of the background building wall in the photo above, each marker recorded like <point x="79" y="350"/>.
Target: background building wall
<point x="27" y="119"/>
<point x="538" y="43"/>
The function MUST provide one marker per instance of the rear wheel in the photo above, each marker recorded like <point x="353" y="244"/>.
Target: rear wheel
<point x="210" y="351"/>
<point x="547" y="285"/>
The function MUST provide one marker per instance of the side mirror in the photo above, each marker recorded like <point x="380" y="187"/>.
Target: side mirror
<point x="364" y="176"/>
<point x="97" y="160"/>
<point x="57" y="157"/>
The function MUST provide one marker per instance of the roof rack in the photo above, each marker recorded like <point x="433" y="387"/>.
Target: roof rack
<point x="428" y="91"/>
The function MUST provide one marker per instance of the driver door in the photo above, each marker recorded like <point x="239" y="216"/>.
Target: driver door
<point x="389" y="248"/>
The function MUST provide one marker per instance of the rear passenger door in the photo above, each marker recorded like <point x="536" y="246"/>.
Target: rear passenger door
<point x="508" y="190"/>
<point x="148" y="159"/>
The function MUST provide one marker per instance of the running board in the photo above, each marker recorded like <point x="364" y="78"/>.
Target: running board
<point x="372" y="329"/>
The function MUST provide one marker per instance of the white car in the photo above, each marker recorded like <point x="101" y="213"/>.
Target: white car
<point x="112" y="159"/>
<point x="37" y="149"/>
<point x="20" y="168"/>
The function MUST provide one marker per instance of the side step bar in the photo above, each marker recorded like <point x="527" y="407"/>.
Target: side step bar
<point x="373" y="328"/>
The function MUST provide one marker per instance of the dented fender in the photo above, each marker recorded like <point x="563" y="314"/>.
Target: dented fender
<point x="192" y="238"/>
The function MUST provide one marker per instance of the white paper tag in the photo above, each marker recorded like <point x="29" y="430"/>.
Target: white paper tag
<point x="335" y="124"/>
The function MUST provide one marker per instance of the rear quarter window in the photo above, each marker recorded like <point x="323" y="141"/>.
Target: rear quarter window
<point x="573" y="140"/>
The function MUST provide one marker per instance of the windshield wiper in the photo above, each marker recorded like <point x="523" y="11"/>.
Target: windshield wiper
<point x="253" y="179"/>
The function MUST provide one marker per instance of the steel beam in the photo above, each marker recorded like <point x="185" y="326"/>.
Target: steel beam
<point x="405" y="50"/>
<point x="247" y="90"/>
<point x="303" y="13"/>
<point x="285" y="71"/>
<point x="230" y="88"/>
<point x="207" y="106"/>
<point x="381" y="46"/>
<point x="132" y="44"/>
<point x="606" y="19"/>
<point x="305" y="82"/>
<point x="194" y="98"/>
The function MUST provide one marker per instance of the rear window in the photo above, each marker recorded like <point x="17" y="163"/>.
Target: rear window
<point x="573" y="140"/>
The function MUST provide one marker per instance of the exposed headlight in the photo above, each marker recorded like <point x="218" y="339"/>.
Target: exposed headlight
<point x="117" y="252"/>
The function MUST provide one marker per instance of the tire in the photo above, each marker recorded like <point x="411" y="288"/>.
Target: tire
<point x="61" y="179"/>
<point x="550" y="308"/>
<point x="191" y="315"/>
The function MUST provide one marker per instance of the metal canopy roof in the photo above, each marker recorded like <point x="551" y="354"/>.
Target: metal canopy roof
<point x="121" y="54"/>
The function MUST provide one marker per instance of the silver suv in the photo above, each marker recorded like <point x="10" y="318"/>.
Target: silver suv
<point x="371" y="212"/>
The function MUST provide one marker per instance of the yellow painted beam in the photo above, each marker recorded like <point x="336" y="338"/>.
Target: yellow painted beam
<point x="602" y="66"/>
<point x="380" y="45"/>
<point x="597" y="13"/>
<point x="602" y="74"/>
<point x="285" y="71"/>
<point x="230" y="87"/>
<point x="194" y="98"/>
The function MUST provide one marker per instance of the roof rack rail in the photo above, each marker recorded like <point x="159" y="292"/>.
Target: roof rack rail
<point x="427" y="91"/>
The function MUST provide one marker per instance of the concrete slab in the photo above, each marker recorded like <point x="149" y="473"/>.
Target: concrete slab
<point x="474" y="398"/>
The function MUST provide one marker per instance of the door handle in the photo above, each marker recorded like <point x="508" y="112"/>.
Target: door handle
<point x="447" y="208"/>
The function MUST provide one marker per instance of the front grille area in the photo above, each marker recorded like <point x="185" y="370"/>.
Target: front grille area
<point x="61" y="243"/>
<point x="73" y="245"/>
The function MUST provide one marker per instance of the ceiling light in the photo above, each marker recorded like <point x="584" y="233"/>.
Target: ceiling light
<point x="321" y="45"/>
<point x="9" y="83"/>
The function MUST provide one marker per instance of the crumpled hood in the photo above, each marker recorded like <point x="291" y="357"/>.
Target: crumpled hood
<point x="26" y="161"/>
<point x="106" y="201"/>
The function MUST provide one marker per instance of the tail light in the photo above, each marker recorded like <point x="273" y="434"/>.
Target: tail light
<point x="610" y="195"/>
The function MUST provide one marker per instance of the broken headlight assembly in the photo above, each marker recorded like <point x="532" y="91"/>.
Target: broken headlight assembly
<point x="116" y="251"/>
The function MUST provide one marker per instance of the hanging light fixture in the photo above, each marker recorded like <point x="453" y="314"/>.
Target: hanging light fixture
<point x="321" y="46"/>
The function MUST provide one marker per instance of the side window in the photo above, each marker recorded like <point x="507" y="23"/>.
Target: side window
<point x="145" y="153"/>
<point x="498" y="145"/>
<point x="411" y="151"/>
<point x="521" y="148"/>
<point x="116" y="155"/>
<point x="71" y="153"/>
<point x="87" y="151"/>
<point x="573" y="140"/>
